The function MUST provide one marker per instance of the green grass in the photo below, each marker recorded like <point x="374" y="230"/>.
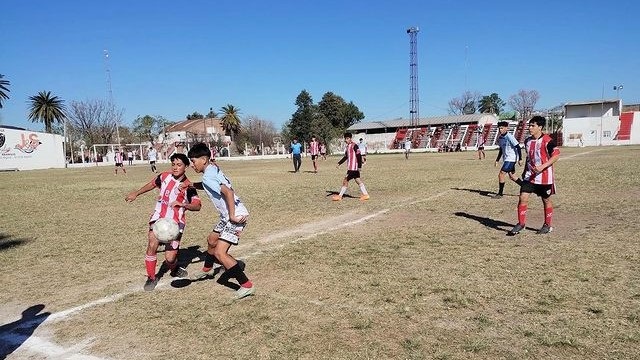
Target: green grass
<point x="421" y="271"/>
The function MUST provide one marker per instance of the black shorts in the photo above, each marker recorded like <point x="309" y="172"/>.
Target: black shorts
<point x="119" y="165"/>
<point x="480" y="148"/>
<point x="313" y="157"/>
<point x="152" y="162"/>
<point x="544" y="191"/>
<point x="352" y="174"/>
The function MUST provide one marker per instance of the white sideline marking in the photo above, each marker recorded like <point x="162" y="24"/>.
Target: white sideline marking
<point x="41" y="346"/>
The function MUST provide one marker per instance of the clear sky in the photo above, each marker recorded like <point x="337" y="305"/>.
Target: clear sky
<point x="172" y="58"/>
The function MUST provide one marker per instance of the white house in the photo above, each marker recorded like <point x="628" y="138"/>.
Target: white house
<point x="600" y="122"/>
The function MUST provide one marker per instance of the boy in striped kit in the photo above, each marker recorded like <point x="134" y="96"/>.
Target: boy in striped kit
<point x="537" y="178"/>
<point x="354" y="163"/>
<point x="314" y="150"/>
<point x="175" y="198"/>
<point x="119" y="158"/>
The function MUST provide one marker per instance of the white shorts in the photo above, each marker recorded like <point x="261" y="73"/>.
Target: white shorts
<point x="229" y="231"/>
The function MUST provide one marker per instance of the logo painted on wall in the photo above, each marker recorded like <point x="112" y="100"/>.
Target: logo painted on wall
<point x="28" y="144"/>
<point x="2" y="139"/>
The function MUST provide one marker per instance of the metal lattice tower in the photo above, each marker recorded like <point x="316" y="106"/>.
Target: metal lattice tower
<point x="413" y="75"/>
<point x="107" y="70"/>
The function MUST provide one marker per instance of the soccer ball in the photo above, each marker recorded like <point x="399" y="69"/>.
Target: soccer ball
<point x="165" y="230"/>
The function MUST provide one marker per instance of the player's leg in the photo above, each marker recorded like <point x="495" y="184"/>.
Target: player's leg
<point x="548" y="213"/>
<point x="171" y="258"/>
<point x="523" y="201"/>
<point x="501" y="180"/>
<point x="230" y="236"/>
<point x="363" y="189"/>
<point x="150" y="261"/>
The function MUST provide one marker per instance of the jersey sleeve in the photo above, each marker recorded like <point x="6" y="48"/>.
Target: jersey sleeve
<point x="158" y="181"/>
<point x="192" y="195"/>
<point x="552" y="148"/>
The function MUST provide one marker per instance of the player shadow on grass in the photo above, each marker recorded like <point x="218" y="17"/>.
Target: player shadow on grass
<point x="222" y="280"/>
<point x="7" y="241"/>
<point x="488" y="222"/>
<point x="481" y="192"/>
<point x="14" y="334"/>
<point x="331" y="193"/>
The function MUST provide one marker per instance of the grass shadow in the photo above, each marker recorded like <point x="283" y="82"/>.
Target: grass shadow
<point x="14" y="334"/>
<point x="481" y="192"/>
<point x="331" y="193"/>
<point x="8" y="242"/>
<point x="488" y="222"/>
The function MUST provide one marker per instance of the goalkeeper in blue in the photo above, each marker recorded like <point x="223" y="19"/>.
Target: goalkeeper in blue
<point x="510" y="152"/>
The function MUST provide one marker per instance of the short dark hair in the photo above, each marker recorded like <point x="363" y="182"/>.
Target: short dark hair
<point x="199" y="150"/>
<point x="182" y="157"/>
<point x="538" y="120"/>
<point x="503" y="123"/>
<point x="348" y="135"/>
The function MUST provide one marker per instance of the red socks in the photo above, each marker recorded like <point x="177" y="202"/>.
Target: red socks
<point x="248" y="284"/>
<point x="522" y="214"/>
<point x="150" y="262"/>
<point x="548" y="215"/>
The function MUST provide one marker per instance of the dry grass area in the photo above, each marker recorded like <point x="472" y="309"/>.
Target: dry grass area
<point x="421" y="271"/>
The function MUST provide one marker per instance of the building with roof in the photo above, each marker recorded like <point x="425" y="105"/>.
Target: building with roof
<point x="432" y="133"/>
<point x="601" y="122"/>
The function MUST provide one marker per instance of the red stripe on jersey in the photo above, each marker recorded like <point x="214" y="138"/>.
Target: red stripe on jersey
<point x="314" y="148"/>
<point x="352" y="161"/>
<point x="538" y="154"/>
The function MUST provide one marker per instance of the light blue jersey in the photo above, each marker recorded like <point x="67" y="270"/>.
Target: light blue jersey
<point x="509" y="147"/>
<point x="212" y="181"/>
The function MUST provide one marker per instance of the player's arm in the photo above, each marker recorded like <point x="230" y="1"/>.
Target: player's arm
<point x="358" y="156"/>
<point x="344" y="158"/>
<point x="147" y="187"/>
<point x="193" y="201"/>
<point x="519" y="154"/>
<point x="198" y="185"/>
<point x="499" y="156"/>
<point x="229" y="199"/>
<point x="555" y="154"/>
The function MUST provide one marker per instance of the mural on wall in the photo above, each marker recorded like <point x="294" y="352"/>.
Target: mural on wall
<point x="25" y="150"/>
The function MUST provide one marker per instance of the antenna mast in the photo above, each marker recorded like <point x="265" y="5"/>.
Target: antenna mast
<point x="413" y="75"/>
<point x="111" y="109"/>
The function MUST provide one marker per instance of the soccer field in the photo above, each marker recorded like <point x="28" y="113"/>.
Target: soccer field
<point x="423" y="270"/>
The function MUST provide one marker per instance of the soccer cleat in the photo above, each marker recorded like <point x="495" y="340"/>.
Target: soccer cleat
<point x="364" y="197"/>
<point x="150" y="284"/>
<point x="545" y="229"/>
<point x="336" y="198"/>
<point x="244" y="292"/>
<point x="516" y="230"/>
<point x="179" y="272"/>
<point x="497" y="196"/>
<point x="217" y="268"/>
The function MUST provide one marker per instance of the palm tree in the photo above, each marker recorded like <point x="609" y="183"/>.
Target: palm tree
<point x="3" y="90"/>
<point x="46" y="109"/>
<point x="231" y="120"/>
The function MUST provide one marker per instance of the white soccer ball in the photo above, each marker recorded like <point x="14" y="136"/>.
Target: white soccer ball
<point x="165" y="230"/>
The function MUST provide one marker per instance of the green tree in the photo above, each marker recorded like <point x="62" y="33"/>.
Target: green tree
<point x="4" y="89"/>
<point x="144" y="127"/>
<point x="231" y="120"/>
<point x="46" y="109"/>
<point x="299" y="126"/>
<point x="212" y="114"/>
<point x="340" y="114"/>
<point x="196" y="115"/>
<point x="491" y="104"/>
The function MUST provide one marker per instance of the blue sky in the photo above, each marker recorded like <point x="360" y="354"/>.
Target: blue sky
<point x="172" y="58"/>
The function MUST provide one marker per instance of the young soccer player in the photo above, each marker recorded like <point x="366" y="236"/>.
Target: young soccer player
<point x="363" y="150"/>
<point x="314" y="150"/>
<point x="119" y="158"/>
<point x="510" y="152"/>
<point x="233" y="218"/>
<point x="537" y="178"/>
<point x="173" y="201"/>
<point x="153" y="157"/>
<point x="407" y="148"/>
<point x="481" y="141"/>
<point x="354" y="164"/>
<point x="323" y="151"/>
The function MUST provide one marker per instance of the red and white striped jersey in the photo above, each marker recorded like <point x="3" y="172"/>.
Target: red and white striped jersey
<point x="169" y="192"/>
<point x="119" y="157"/>
<point x="352" y="156"/>
<point x="539" y="151"/>
<point x="314" y="148"/>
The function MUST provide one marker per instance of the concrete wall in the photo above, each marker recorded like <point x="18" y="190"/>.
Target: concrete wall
<point x="28" y="150"/>
<point x="595" y="131"/>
